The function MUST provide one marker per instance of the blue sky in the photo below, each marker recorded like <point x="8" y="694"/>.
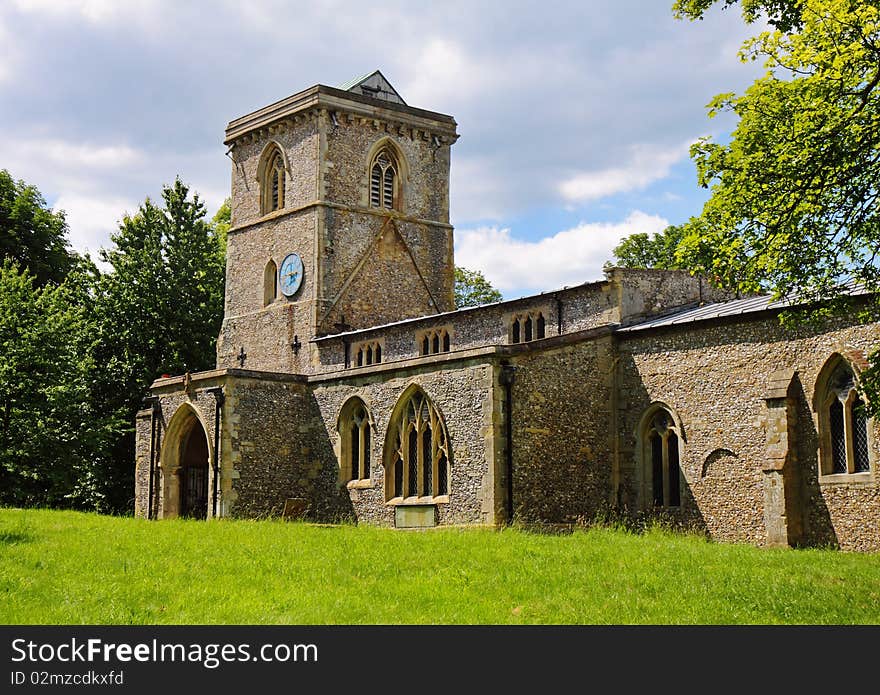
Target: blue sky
<point x="575" y="117"/>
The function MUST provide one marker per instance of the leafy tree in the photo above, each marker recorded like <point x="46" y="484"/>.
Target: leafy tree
<point x="794" y="205"/>
<point x="643" y="251"/>
<point x="221" y="222"/>
<point x="49" y="431"/>
<point x="785" y="15"/>
<point x="31" y="233"/>
<point x="159" y="310"/>
<point x="472" y="289"/>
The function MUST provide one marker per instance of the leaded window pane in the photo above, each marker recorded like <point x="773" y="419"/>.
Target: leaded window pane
<point x="365" y="454"/>
<point x="541" y="326"/>
<point x="860" y="436"/>
<point x="516" y="331"/>
<point x="674" y="475"/>
<point x="446" y="342"/>
<point x="427" y="467"/>
<point x="838" y="437"/>
<point x="657" y="468"/>
<point x="442" y="475"/>
<point x="528" y="330"/>
<point x="355" y="453"/>
<point x="413" y="473"/>
<point x="398" y="476"/>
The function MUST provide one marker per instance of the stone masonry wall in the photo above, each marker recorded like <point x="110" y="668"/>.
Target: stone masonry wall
<point x="463" y="395"/>
<point x="562" y="442"/>
<point x="299" y="141"/>
<point x="713" y="375"/>
<point x="266" y="333"/>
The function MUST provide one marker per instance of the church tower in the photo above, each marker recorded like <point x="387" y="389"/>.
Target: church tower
<point x="340" y="221"/>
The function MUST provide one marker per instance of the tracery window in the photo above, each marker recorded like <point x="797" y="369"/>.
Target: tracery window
<point x="367" y="353"/>
<point x="661" y="447"/>
<point x="527" y="326"/>
<point x="354" y="435"/>
<point x="844" y="425"/>
<point x="385" y="181"/>
<point x="417" y="458"/>
<point x="434" y="341"/>
<point x="272" y="183"/>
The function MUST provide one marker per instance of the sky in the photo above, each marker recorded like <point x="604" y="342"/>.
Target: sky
<point x="575" y="118"/>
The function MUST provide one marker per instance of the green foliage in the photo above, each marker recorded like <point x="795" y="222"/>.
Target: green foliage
<point x="31" y="234"/>
<point x="794" y="206"/>
<point x="785" y="15"/>
<point x="472" y="289"/>
<point x="159" y="310"/>
<point x="221" y="222"/>
<point x="643" y="251"/>
<point x="50" y="432"/>
<point x="73" y="568"/>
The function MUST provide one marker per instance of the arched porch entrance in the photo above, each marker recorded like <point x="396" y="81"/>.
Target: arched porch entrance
<point x="185" y="467"/>
<point x="194" y="474"/>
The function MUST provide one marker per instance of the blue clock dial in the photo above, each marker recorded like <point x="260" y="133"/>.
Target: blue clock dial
<point x="290" y="274"/>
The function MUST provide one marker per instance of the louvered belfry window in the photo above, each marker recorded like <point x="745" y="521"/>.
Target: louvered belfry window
<point x="420" y="455"/>
<point x="273" y="183"/>
<point x="384" y="181"/>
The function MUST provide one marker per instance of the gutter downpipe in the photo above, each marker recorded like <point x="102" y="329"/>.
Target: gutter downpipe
<point x="506" y="379"/>
<point x="219" y="400"/>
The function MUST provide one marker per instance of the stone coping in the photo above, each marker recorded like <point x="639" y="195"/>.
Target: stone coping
<point x="331" y="98"/>
<point x="486" y="353"/>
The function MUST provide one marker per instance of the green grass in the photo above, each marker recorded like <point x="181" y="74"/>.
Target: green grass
<point x="67" y="567"/>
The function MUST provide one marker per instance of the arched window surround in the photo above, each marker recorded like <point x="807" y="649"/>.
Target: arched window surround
<point x="846" y="434"/>
<point x="394" y="188"/>
<point x="356" y="435"/>
<point x="272" y="178"/>
<point x="417" y="456"/>
<point x="660" y="450"/>
<point x="270" y="283"/>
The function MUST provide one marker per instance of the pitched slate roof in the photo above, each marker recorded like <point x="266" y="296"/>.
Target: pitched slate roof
<point x="734" y="307"/>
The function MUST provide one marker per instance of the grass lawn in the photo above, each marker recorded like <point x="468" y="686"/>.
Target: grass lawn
<point x="68" y="567"/>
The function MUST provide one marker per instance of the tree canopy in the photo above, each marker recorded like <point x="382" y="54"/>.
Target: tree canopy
<point x="472" y="289"/>
<point x="794" y="204"/>
<point x="31" y="234"/>
<point x="642" y="250"/>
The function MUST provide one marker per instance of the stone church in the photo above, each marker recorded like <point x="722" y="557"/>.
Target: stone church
<point x="348" y="387"/>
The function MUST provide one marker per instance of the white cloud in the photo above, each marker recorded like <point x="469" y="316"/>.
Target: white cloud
<point x="91" y="219"/>
<point x="569" y="257"/>
<point x="646" y="165"/>
<point x="92" y="10"/>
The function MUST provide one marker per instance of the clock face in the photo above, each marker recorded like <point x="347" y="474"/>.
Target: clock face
<point x="290" y="274"/>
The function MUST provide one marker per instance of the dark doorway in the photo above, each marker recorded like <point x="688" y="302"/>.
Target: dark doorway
<point x="194" y="474"/>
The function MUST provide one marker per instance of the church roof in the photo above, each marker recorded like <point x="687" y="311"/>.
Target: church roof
<point x="734" y="307"/>
<point x="375" y="85"/>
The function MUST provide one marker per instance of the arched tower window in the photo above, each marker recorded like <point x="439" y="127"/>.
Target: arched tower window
<point x="270" y="283"/>
<point x="843" y="422"/>
<point x="660" y="441"/>
<point x="385" y="180"/>
<point x="417" y="451"/>
<point x="272" y="182"/>
<point x="355" y="437"/>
